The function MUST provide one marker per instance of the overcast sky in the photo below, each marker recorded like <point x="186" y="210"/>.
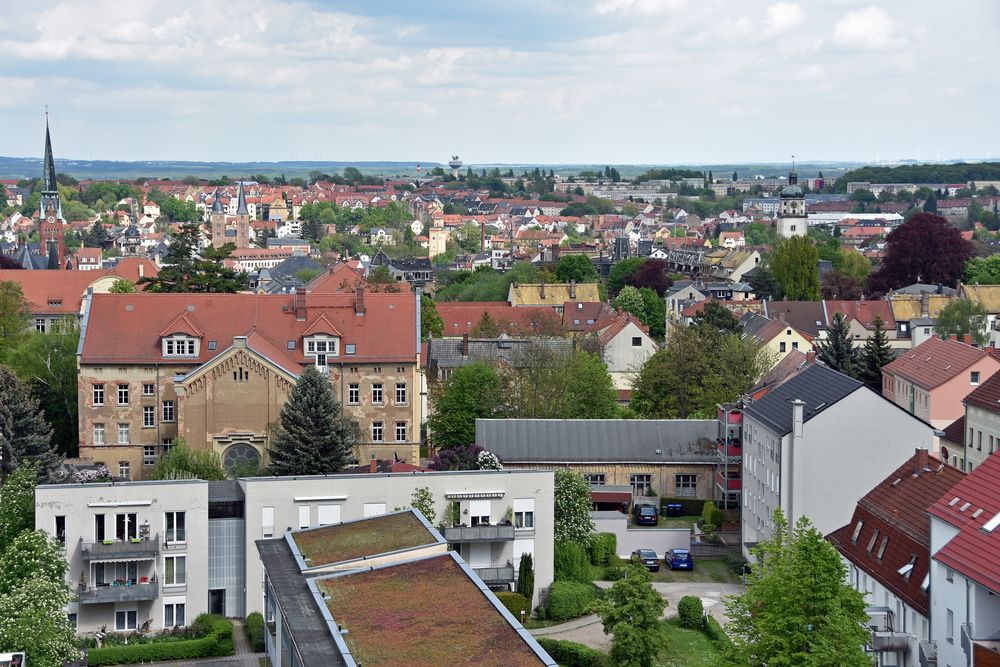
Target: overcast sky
<point x="606" y="81"/>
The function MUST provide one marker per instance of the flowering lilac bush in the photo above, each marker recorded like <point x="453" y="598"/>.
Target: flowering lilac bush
<point x="99" y="473"/>
<point x="466" y="457"/>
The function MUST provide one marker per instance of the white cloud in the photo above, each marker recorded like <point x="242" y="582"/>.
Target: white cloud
<point x="782" y="17"/>
<point x="870" y="29"/>
<point x="647" y="7"/>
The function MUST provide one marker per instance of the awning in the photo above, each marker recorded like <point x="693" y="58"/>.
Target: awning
<point x="121" y="559"/>
<point x="611" y="497"/>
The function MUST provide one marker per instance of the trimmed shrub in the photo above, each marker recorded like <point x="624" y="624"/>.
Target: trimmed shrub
<point x="714" y="631"/>
<point x="690" y="506"/>
<point x="614" y="572"/>
<point x="255" y="631"/>
<point x="215" y="640"/>
<point x="711" y="515"/>
<point x="212" y="624"/>
<point x="526" y="576"/>
<point x="571" y="563"/>
<point x="571" y="654"/>
<point x="604" y="548"/>
<point x="690" y="611"/>
<point x="570" y="599"/>
<point x="515" y="603"/>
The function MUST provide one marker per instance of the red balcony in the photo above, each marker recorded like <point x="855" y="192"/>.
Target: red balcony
<point x="731" y="484"/>
<point x="733" y="450"/>
<point x="734" y="417"/>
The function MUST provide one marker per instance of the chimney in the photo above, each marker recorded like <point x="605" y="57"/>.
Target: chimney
<point x="359" y="299"/>
<point x="781" y="316"/>
<point x="299" y="303"/>
<point x="925" y="300"/>
<point x="373" y="464"/>
<point x="572" y="289"/>
<point x="541" y="290"/>
<point x="465" y="344"/>
<point x="953" y="337"/>
<point x="967" y="339"/>
<point x="921" y="461"/>
<point x="798" y="407"/>
<point x="142" y="269"/>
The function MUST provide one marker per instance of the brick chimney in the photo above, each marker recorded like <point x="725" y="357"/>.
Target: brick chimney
<point x="373" y="464"/>
<point x="925" y="301"/>
<point x="967" y="339"/>
<point x="920" y="464"/>
<point x="299" y="303"/>
<point x="572" y="289"/>
<point x="359" y="299"/>
<point x="465" y="344"/>
<point x="541" y="290"/>
<point x="953" y="337"/>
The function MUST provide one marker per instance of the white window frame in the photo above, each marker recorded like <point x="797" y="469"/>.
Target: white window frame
<point x="180" y="345"/>
<point x="167" y="409"/>
<point x="97" y="391"/>
<point x="148" y="416"/>
<point x="401" y="431"/>
<point x="123" y="391"/>
<point x="40" y="324"/>
<point x="524" y="513"/>
<point x="354" y="393"/>
<point x="99" y="434"/>
<point x="320" y="346"/>
<point x="175" y="558"/>
<point x="149" y="455"/>
<point x="172" y="606"/>
<point x="150" y="386"/>
<point x="693" y="489"/>
<point x="400" y="391"/>
<point x="379" y="398"/>
<point x="124" y="428"/>
<point x="170" y="533"/>
<point x="124" y="470"/>
<point x="378" y="432"/>
<point x="126" y="627"/>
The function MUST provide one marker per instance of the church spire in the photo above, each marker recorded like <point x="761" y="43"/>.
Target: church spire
<point x="217" y="206"/>
<point x="241" y="206"/>
<point x="49" y="169"/>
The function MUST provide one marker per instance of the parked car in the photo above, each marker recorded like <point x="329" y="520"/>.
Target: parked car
<point x="645" y="515"/>
<point x="648" y="558"/>
<point x="679" y="559"/>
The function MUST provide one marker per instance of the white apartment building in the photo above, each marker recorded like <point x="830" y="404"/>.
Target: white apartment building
<point x="814" y="444"/>
<point x="163" y="552"/>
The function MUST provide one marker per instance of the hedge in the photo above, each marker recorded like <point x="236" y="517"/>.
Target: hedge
<point x="711" y="514"/>
<point x="604" y="549"/>
<point x="515" y="603"/>
<point x="571" y="654"/>
<point x="690" y="506"/>
<point x="569" y="599"/>
<point x="255" y="631"/>
<point x="690" y="612"/>
<point x="571" y="563"/>
<point x="216" y="642"/>
<point x="714" y="631"/>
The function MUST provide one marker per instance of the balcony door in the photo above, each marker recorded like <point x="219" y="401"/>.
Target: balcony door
<point x="126" y="527"/>
<point x="479" y="555"/>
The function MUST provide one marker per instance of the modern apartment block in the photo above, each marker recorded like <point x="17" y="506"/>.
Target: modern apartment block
<point x="216" y="369"/>
<point x="166" y="551"/>
<point x="815" y="440"/>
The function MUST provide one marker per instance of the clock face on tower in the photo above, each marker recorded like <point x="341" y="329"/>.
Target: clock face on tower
<point x="51" y="219"/>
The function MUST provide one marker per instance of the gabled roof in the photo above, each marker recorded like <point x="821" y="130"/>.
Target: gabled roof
<point x="760" y="327"/>
<point x="461" y="317"/>
<point x="986" y="295"/>
<point x="321" y="325"/>
<point x="183" y="323"/>
<point x="804" y="316"/>
<point x="616" y="326"/>
<point x="895" y="513"/>
<point x="555" y="294"/>
<point x="955" y="431"/>
<point x="818" y="386"/>
<point x="972" y="505"/>
<point x="936" y="361"/>
<point x="587" y="315"/>
<point x="862" y="311"/>
<point x="986" y="395"/>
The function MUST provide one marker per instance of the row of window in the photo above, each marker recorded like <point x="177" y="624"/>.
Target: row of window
<point x="124" y="393"/>
<point x="378" y="432"/>
<point x="378" y="393"/>
<point x="685" y="485"/>
<point x="148" y="389"/>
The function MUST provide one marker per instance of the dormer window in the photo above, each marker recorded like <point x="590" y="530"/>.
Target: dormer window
<point x="320" y="347"/>
<point x="180" y="345"/>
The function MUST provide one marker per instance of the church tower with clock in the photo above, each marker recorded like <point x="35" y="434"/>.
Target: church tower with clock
<point x="51" y="225"/>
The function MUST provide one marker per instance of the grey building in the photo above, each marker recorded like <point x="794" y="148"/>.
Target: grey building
<point x="444" y="355"/>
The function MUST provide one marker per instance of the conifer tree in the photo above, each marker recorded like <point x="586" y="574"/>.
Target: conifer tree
<point x="837" y="351"/>
<point x="874" y="355"/>
<point x="312" y="437"/>
<point x="24" y="434"/>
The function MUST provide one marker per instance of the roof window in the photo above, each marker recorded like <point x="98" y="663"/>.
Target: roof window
<point x="907" y="569"/>
<point x="992" y="523"/>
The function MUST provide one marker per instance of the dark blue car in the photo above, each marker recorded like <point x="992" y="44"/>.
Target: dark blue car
<point x="645" y="515"/>
<point x="679" y="559"/>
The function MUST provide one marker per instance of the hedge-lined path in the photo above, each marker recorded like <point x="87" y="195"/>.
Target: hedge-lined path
<point x="245" y="657"/>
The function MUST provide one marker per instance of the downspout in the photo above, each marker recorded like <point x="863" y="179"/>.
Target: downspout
<point x="418" y="374"/>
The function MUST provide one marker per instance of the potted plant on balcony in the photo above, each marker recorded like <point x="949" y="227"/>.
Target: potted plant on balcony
<point x="108" y="540"/>
<point x="136" y="540"/>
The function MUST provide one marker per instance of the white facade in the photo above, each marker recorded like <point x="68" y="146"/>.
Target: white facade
<point x="792" y="220"/>
<point x="626" y="353"/>
<point x="818" y="468"/>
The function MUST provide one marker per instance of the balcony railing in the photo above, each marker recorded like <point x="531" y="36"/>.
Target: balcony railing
<point x="927" y="654"/>
<point x="495" y="575"/>
<point x="730" y="484"/>
<point x="133" y="593"/>
<point x="479" y="534"/>
<point x="887" y="640"/>
<point x="967" y="639"/>
<point x="127" y="550"/>
<point x="733" y="451"/>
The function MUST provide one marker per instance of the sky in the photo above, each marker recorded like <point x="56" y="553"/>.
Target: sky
<point x="517" y="81"/>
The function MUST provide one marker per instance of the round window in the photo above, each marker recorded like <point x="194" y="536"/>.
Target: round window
<point x="241" y="457"/>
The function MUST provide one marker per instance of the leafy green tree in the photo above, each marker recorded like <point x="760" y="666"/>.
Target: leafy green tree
<point x="380" y="280"/>
<point x="475" y="391"/>
<point x="631" y="613"/>
<point x="576" y="267"/>
<point x="717" y="317"/>
<point x="983" y="270"/>
<point x="655" y="312"/>
<point x="875" y="354"/>
<point x="572" y="505"/>
<point x="24" y="434"/>
<point x="182" y="462"/>
<point x="122" y="286"/>
<point x="431" y="323"/>
<point x="630" y="300"/>
<point x="930" y="204"/>
<point x="422" y="499"/>
<point x="486" y="327"/>
<point x="837" y="350"/>
<point x="312" y="436"/>
<point x="961" y="317"/>
<point x="765" y="285"/>
<point x="588" y="391"/>
<point x="33" y="619"/>
<point x="925" y="248"/>
<point x="794" y="263"/>
<point x="32" y="554"/>
<point x="17" y="504"/>
<point x="15" y="316"/>
<point x="798" y="609"/>
<point x="853" y="263"/>
<point x="621" y="270"/>
<point x="187" y="270"/>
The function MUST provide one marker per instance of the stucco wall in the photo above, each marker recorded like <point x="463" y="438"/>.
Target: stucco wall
<point x="630" y="539"/>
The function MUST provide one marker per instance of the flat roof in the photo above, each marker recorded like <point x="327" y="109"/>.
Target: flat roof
<point x="425" y="612"/>
<point x="352" y="540"/>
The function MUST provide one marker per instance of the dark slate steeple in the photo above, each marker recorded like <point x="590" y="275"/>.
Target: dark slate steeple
<point x="217" y="202"/>
<point x="50" y="189"/>
<point x="241" y="207"/>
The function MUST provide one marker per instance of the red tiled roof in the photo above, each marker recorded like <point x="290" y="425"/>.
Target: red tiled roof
<point x="897" y="509"/>
<point x="461" y="317"/>
<point x="62" y="292"/>
<point x="955" y="431"/>
<point x="123" y="328"/>
<point x="935" y="361"/>
<point x="863" y="311"/>
<point x="986" y="395"/>
<point x="341" y="277"/>
<point x="608" y="333"/>
<point x="972" y="552"/>
<point x="591" y="315"/>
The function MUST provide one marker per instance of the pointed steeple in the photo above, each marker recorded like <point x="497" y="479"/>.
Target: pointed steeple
<point x="217" y="202"/>
<point x="241" y="206"/>
<point x="49" y="169"/>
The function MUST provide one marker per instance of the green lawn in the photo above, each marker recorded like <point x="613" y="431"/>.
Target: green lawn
<point x="667" y="522"/>
<point x="686" y="648"/>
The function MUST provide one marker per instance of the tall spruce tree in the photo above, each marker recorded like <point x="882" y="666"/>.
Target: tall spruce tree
<point x="874" y="355"/>
<point x="312" y="437"/>
<point x="25" y="436"/>
<point x="186" y="269"/>
<point x="838" y="351"/>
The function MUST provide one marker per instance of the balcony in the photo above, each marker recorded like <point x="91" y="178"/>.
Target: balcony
<point x="127" y="550"/>
<point x="732" y="451"/>
<point x="493" y="576"/>
<point x="887" y="640"/>
<point x="730" y="484"/>
<point x="133" y="593"/>
<point x="927" y="655"/>
<point x="479" y="534"/>
<point x="966" y="640"/>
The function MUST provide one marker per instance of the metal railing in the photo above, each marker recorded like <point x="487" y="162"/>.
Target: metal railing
<point x="495" y="575"/>
<point x="479" y="534"/>
<point x="128" y="550"/>
<point x="927" y="654"/>
<point x="133" y="593"/>
<point x="966" y="639"/>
